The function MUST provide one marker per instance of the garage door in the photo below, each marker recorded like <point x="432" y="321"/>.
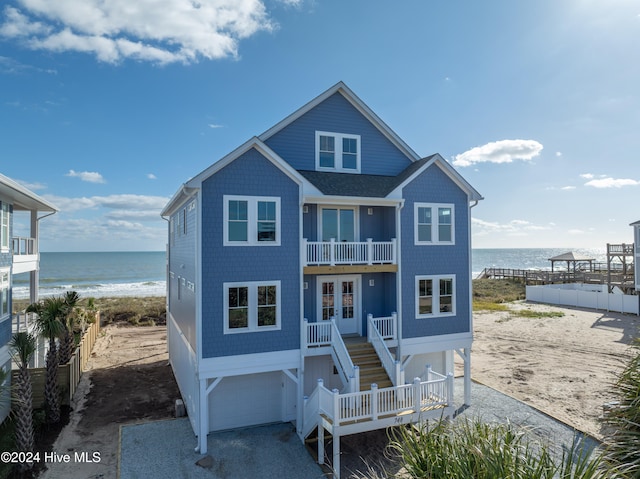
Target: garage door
<point x="248" y="400"/>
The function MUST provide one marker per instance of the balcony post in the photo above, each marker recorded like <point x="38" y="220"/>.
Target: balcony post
<point x="369" y="251"/>
<point x="394" y="251"/>
<point x="332" y="252"/>
<point x="394" y="325"/>
<point x="369" y="326"/>
<point x="374" y="401"/>
<point x="304" y="252"/>
<point x="417" y="400"/>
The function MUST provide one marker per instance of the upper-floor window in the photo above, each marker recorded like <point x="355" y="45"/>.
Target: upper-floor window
<point x="4" y="293"/>
<point x="251" y="221"/>
<point x="251" y="306"/>
<point x="337" y="152"/>
<point x="4" y="226"/>
<point x="434" y="223"/>
<point x="435" y="296"/>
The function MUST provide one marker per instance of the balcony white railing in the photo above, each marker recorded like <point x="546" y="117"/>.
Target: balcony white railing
<point x="333" y="253"/>
<point x="317" y="334"/>
<point x="23" y="246"/>
<point x="385" y="325"/>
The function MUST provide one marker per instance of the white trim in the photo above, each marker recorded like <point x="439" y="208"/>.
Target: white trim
<point x="352" y="98"/>
<point x="436" y="313"/>
<point x="357" y="300"/>
<point x="352" y="200"/>
<point x="435" y="231"/>
<point x="5" y="285"/>
<point x="446" y="167"/>
<point x="240" y="364"/>
<point x="433" y="344"/>
<point x="356" y="218"/>
<point x="252" y="220"/>
<point x="252" y="306"/>
<point x="338" y="165"/>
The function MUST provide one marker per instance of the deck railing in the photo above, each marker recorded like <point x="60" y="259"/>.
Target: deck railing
<point x="317" y="334"/>
<point x="392" y="366"/>
<point x="342" y="409"/>
<point x="23" y="321"/>
<point x="349" y="372"/>
<point x="349" y="252"/>
<point x="23" y="246"/>
<point x="385" y="325"/>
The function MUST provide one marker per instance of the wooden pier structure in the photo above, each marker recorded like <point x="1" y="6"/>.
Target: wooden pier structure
<point x="618" y="271"/>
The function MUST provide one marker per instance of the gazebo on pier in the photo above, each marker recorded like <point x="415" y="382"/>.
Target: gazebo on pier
<point x="573" y="260"/>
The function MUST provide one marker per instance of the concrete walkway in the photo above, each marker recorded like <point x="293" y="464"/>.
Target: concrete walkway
<point x="165" y="449"/>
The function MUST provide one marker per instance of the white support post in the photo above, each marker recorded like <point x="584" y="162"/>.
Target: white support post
<point x="304" y="252"/>
<point x="467" y="376"/>
<point x="394" y="325"/>
<point x="374" y="401"/>
<point x="356" y="379"/>
<point x="369" y="251"/>
<point x="450" y="389"/>
<point x="369" y="326"/>
<point x="398" y="380"/>
<point x="417" y="402"/>
<point x="332" y="251"/>
<point x="336" y="456"/>
<point x="204" y="417"/>
<point x="428" y="368"/>
<point x="320" y="444"/>
<point x="394" y="249"/>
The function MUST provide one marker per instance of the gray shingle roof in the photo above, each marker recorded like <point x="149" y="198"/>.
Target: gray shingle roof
<point x="371" y="186"/>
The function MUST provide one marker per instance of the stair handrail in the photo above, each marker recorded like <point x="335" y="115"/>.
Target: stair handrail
<point x="392" y="366"/>
<point x="349" y="372"/>
<point x="313" y="408"/>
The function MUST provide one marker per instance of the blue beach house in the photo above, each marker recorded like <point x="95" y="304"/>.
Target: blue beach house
<point x="17" y="255"/>
<point x="320" y="274"/>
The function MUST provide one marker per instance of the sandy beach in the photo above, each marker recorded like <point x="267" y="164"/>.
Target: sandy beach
<point x="563" y="366"/>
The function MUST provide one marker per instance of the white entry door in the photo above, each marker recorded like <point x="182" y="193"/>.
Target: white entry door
<point x="339" y="297"/>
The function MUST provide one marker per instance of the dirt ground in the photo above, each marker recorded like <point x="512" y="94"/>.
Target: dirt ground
<point x="128" y="380"/>
<point x="563" y="366"/>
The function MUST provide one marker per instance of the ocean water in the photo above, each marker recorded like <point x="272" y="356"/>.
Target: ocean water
<point x="526" y="258"/>
<point x="144" y="273"/>
<point x="98" y="274"/>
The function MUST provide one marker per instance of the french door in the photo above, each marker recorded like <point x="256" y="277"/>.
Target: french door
<point x="339" y="297"/>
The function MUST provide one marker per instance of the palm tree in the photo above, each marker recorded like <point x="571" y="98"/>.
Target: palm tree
<point x="67" y="342"/>
<point x="50" y="312"/>
<point x="23" y="347"/>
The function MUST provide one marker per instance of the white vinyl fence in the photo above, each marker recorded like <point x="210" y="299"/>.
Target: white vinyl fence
<point x="592" y="296"/>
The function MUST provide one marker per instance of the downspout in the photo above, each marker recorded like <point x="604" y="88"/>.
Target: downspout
<point x="399" y="278"/>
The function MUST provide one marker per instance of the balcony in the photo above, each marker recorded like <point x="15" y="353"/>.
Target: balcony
<point x="25" y="254"/>
<point x="321" y="257"/>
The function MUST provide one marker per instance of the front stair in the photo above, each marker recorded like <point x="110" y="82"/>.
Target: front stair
<point x="365" y="357"/>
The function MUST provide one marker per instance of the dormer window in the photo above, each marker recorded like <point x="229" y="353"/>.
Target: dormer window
<point x="337" y="152"/>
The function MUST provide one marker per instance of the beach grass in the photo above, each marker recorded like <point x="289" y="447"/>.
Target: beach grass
<point x="491" y="294"/>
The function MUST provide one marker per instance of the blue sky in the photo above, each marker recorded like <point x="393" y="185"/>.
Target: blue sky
<point x="107" y="107"/>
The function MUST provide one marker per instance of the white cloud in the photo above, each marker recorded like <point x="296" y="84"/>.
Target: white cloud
<point x="214" y="126"/>
<point x="612" y="182"/>
<point x="558" y="154"/>
<point x="512" y="228"/>
<point x="587" y="176"/>
<point x="88" y="176"/>
<point x="568" y="188"/>
<point x="151" y="176"/>
<point x="503" y="151"/>
<point x="159" y="31"/>
<point x="150" y="204"/>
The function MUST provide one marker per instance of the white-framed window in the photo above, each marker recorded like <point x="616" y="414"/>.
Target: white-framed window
<point x="251" y="306"/>
<point x="4" y="293"/>
<point x="4" y="225"/>
<point x="434" y="223"/>
<point x="435" y="296"/>
<point x="251" y="221"/>
<point x="337" y="152"/>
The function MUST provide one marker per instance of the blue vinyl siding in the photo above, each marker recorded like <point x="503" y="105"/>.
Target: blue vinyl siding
<point x="379" y="226"/>
<point x="249" y="175"/>
<point x="182" y="267"/>
<point x="434" y="186"/>
<point x="296" y="142"/>
<point x="5" y="332"/>
<point x="379" y="299"/>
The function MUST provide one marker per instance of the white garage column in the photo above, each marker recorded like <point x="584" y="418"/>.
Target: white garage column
<point x="465" y="354"/>
<point x="205" y="390"/>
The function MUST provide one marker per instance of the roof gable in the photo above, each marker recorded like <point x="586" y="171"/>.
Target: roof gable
<point x="358" y="104"/>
